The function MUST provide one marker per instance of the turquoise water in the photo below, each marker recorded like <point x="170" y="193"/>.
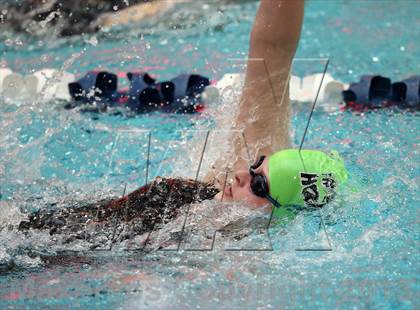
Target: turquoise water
<point x="48" y="153"/>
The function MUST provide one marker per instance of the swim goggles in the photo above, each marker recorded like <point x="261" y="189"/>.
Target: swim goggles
<point x="259" y="183"/>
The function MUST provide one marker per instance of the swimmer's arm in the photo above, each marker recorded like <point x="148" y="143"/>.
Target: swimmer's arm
<point x="264" y="104"/>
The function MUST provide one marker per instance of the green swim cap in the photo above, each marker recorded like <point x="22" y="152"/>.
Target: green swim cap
<point x="306" y="179"/>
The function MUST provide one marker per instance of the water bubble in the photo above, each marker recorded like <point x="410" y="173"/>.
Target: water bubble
<point x="8" y="42"/>
<point x="375" y="59"/>
<point x="93" y="41"/>
<point x="44" y="58"/>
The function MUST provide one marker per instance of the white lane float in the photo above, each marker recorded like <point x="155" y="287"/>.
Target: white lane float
<point x="3" y="73"/>
<point x="300" y="89"/>
<point x="47" y="83"/>
<point x="230" y="82"/>
<point x="53" y="84"/>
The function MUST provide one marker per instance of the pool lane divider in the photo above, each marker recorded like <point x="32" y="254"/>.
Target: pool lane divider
<point x="371" y="92"/>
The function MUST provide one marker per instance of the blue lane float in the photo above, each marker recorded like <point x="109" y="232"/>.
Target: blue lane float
<point x="376" y="92"/>
<point x="181" y="94"/>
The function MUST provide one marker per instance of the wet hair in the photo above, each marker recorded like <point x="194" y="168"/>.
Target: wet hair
<point x="157" y="202"/>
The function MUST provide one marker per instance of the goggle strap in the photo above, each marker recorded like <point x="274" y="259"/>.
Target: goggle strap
<point x="273" y="201"/>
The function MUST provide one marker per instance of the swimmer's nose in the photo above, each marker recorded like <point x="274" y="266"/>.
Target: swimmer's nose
<point x="242" y="178"/>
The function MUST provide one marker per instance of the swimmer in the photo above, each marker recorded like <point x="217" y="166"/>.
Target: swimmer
<point x="263" y="118"/>
<point x="281" y="178"/>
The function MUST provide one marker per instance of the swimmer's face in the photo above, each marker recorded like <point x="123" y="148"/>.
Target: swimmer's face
<point x="240" y="188"/>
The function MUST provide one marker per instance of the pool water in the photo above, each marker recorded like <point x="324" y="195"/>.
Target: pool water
<point x="369" y="234"/>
